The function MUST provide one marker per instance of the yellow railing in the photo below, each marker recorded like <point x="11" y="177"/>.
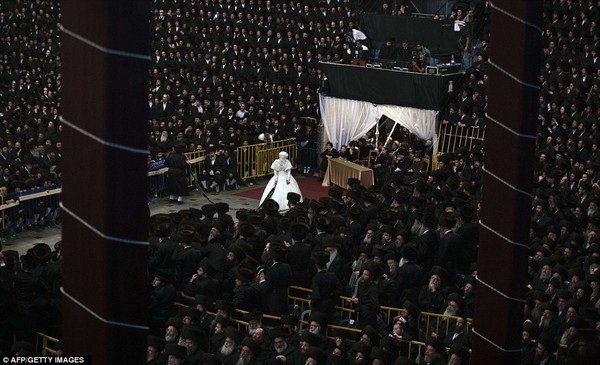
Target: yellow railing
<point x="416" y="349"/>
<point x="390" y="313"/>
<point x="45" y="342"/>
<point x="195" y="160"/>
<point x="255" y="160"/>
<point x="300" y="297"/>
<point x="239" y="323"/>
<point x="252" y="161"/>
<point x="352" y="332"/>
<point x="346" y="309"/>
<point x="451" y="137"/>
<point x="440" y="323"/>
<point x="432" y="322"/>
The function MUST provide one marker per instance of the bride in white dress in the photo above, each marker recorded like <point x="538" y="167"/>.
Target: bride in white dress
<point x="282" y="180"/>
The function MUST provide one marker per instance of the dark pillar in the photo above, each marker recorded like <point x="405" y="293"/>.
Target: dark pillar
<point x="508" y="181"/>
<point x="104" y="46"/>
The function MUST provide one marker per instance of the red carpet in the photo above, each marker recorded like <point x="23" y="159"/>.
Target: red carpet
<point x="310" y="186"/>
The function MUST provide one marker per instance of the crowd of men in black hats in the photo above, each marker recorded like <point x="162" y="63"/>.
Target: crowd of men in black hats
<point x="230" y="73"/>
<point x="363" y="247"/>
<point x="30" y="147"/>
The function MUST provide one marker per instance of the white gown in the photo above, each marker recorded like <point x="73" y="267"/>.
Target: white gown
<point x="282" y="173"/>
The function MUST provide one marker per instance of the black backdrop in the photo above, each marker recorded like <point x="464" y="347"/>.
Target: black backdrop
<point x="437" y="35"/>
<point x="382" y="86"/>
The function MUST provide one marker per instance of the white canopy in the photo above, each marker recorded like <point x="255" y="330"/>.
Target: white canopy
<point x="348" y="120"/>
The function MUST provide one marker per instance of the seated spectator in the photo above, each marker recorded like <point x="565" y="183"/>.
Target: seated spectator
<point x="388" y="50"/>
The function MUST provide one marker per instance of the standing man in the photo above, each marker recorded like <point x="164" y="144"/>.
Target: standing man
<point x="464" y="45"/>
<point x="325" y="286"/>
<point x="177" y="178"/>
<point x="278" y="277"/>
<point x="367" y="295"/>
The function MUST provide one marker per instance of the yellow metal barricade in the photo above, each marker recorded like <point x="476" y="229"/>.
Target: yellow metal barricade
<point x="439" y="323"/>
<point x="451" y="137"/>
<point x="416" y="349"/>
<point x="346" y="309"/>
<point x="390" y="313"/>
<point x="239" y="323"/>
<point x="255" y="160"/>
<point x="45" y="344"/>
<point x="195" y="159"/>
<point x="351" y="333"/>
<point x="298" y="298"/>
<point x="156" y="179"/>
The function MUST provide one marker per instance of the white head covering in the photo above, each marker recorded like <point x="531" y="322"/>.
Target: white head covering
<point x="283" y="154"/>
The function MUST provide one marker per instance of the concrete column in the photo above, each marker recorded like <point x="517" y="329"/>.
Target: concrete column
<point x="508" y="181"/>
<point x="104" y="45"/>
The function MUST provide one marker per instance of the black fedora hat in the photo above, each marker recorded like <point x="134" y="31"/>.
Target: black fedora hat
<point x="162" y="229"/>
<point x="317" y="354"/>
<point x="157" y="342"/>
<point x="321" y="257"/>
<point x="252" y="346"/>
<point x="310" y="338"/>
<point x="221" y="207"/>
<point x="299" y="231"/>
<point x="437" y="344"/>
<point x="332" y="241"/>
<point x="176" y="350"/>
<point x="323" y="223"/>
<point x="270" y="206"/>
<point x="320" y="318"/>
<point x="294" y="198"/>
<point x="205" y="301"/>
<point x="41" y="252"/>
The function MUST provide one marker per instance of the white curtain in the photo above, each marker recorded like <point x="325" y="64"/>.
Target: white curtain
<point x="419" y="122"/>
<point x="347" y="120"/>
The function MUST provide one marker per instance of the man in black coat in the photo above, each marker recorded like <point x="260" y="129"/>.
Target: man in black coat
<point x="326" y="155"/>
<point x="187" y="258"/>
<point x="211" y="176"/>
<point x="177" y="177"/>
<point x="458" y="335"/>
<point x="160" y="305"/>
<point x="156" y="346"/>
<point x="245" y="296"/>
<point x="409" y="275"/>
<point x="299" y="255"/>
<point x="204" y="304"/>
<point x="428" y="239"/>
<point x="202" y="281"/>
<point x="193" y="339"/>
<point x="367" y="296"/>
<point x="249" y="352"/>
<point x="332" y="245"/>
<point x="371" y="208"/>
<point x="165" y="109"/>
<point x="325" y="286"/>
<point x="469" y="231"/>
<point x="278" y="277"/>
<point x="450" y="247"/>
<point x="214" y="250"/>
<point x="435" y="352"/>
<point x="281" y="350"/>
<point x="230" y="170"/>
<point x="164" y="248"/>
